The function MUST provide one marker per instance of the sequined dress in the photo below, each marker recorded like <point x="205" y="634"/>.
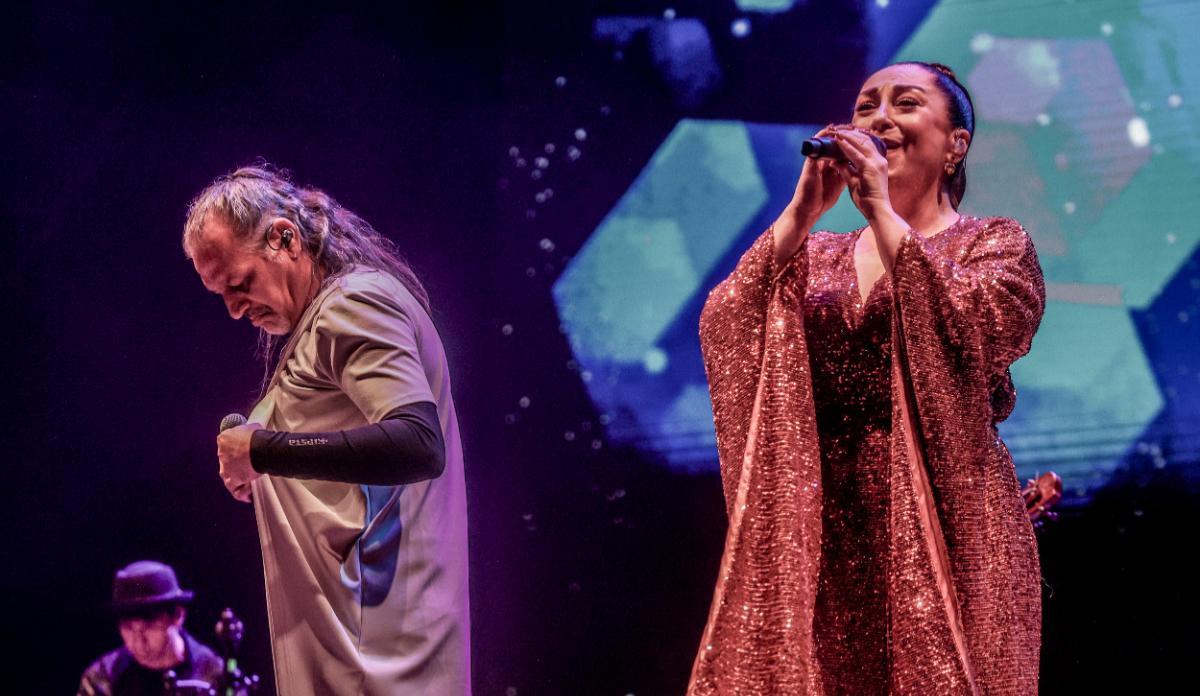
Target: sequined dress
<point x="877" y="539"/>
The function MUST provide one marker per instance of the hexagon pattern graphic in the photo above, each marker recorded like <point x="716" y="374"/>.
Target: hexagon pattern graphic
<point x="1015" y="80"/>
<point x="645" y="263"/>
<point x="1086" y="133"/>
<point x="1105" y="196"/>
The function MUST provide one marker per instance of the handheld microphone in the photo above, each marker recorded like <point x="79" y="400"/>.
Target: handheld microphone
<point x="825" y="146"/>
<point x="233" y="420"/>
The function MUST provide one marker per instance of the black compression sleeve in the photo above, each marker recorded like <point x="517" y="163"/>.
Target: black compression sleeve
<point x="405" y="447"/>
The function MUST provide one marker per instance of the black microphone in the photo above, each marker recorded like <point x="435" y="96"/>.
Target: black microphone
<point x="233" y="420"/>
<point x="826" y="146"/>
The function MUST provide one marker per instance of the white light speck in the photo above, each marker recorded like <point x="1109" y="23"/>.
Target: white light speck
<point x="740" y="27"/>
<point x="881" y="3"/>
<point x="542" y="162"/>
<point x="549" y="148"/>
<point x="569" y="436"/>
<point x="523" y="402"/>
<point x="560" y="81"/>
<point x="1069" y="207"/>
<point x="1044" y="119"/>
<point x="982" y="43"/>
<point x="507" y="329"/>
<point x="655" y="360"/>
<point x="574" y="153"/>
<point x="669" y="13"/>
<point x="546" y="245"/>
<point x="580" y="134"/>
<point x="1106" y="29"/>
<point x="1174" y="101"/>
<point x="514" y="151"/>
<point x="1170" y="238"/>
<point x="1139" y="132"/>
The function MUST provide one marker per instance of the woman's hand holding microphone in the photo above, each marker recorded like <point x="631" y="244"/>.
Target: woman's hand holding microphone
<point x="861" y="166"/>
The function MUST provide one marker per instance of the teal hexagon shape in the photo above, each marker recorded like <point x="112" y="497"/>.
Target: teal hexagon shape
<point x="648" y="257"/>
<point x="642" y="268"/>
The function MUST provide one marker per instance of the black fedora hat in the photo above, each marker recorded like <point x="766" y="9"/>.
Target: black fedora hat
<point x="144" y="585"/>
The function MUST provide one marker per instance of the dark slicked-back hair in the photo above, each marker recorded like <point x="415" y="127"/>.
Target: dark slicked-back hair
<point x="962" y="115"/>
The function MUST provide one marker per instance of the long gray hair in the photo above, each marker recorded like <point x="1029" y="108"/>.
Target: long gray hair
<point x="335" y="237"/>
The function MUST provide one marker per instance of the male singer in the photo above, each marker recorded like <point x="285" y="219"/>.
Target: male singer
<point x="352" y="457"/>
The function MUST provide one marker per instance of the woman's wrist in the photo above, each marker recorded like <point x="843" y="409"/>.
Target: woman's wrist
<point x="889" y="230"/>
<point x="802" y="216"/>
<point x="789" y="231"/>
<point x="877" y="208"/>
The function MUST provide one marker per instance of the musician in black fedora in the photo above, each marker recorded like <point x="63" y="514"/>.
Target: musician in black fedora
<point x="150" y="607"/>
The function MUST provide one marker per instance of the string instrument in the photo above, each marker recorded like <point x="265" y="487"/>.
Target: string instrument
<point x="1040" y="495"/>
<point x="233" y="682"/>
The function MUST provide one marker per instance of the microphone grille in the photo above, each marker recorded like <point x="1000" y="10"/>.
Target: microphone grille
<point x="233" y="420"/>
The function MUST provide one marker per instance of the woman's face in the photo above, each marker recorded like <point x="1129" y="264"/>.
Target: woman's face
<point x="903" y="106"/>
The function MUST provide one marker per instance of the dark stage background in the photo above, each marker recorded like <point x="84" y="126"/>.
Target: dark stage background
<point x="593" y="554"/>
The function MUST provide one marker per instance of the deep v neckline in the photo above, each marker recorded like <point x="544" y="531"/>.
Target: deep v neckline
<point x="858" y="302"/>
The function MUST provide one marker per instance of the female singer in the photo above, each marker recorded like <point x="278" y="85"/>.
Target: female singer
<point x="877" y="539"/>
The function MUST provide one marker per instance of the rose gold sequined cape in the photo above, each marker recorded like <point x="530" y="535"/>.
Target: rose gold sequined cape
<point x="879" y="543"/>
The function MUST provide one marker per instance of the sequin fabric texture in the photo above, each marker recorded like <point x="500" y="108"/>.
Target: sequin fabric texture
<point x="877" y="541"/>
